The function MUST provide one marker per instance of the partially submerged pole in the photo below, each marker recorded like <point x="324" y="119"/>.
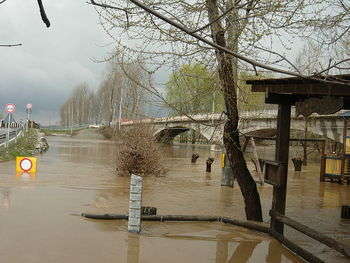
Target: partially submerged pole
<point x="209" y="162"/>
<point x="259" y="169"/>
<point x="262" y="227"/>
<point x="194" y="157"/>
<point x="227" y="173"/>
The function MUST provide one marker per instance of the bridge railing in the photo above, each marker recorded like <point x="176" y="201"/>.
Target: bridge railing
<point x="208" y="117"/>
<point x="264" y="113"/>
<point x="66" y="128"/>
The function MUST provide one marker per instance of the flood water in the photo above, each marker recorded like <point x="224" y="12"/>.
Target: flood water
<point x="40" y="216"/>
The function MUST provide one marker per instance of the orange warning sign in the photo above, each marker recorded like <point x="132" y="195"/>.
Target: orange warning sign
<point x="26" y="164"/>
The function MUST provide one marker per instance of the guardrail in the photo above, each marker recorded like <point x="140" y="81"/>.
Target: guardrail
<point x="8" y="137"/>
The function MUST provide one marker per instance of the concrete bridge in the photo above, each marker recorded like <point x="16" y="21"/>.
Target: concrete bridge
<point x="211" y="126"/>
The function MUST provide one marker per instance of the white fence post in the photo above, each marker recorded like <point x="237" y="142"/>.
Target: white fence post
<point x="134" y="222"/>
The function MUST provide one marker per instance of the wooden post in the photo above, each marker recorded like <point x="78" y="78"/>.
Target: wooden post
<point x="345" y="132"/>
<point x="323" y="161"/>
<point x="208" y="163"/>
<point x="194" y="157"/>
<point x="281" y="155"/>
<point x="258" y="167"/>
<point x="227" y="173"/>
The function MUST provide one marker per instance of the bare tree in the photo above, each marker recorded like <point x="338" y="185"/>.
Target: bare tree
<point x="116" y="92"/>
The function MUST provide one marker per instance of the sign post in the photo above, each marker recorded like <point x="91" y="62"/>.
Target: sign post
<point x="134" y="221"/>
<point x="29" y="112"/>
<point x="9" y="109"/>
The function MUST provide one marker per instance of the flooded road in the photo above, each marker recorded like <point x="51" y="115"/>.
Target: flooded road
<point x="40" y="216"/>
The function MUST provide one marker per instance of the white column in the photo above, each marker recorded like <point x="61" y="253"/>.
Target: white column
<point x="134" y="222"/>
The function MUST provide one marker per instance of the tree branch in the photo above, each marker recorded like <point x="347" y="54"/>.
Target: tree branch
<point x="335" y="65"/>
<point x="92" y="2"/>
<point x="219" y="47"/>
<point x="217" y="19"/>
<point x="10" y="45"/>
<point x="43" y="14"/>
<point x="3" y="1"/>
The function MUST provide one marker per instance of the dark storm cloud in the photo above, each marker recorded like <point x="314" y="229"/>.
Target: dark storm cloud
<point x="52" y="60"/>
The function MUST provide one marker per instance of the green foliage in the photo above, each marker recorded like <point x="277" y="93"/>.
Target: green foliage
<point x="193" y="89"/>
<point x="25" y="146"/>
<point x="248" y="100"/>
<point x="50" y="132"/>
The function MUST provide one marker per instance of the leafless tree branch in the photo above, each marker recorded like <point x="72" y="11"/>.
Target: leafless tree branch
<point x="10" y="45"/>
<point x="217" y="46"/>
<point x="43" y="14"/>
<point x="217" y="19"/>
<point x="335" y="65"/>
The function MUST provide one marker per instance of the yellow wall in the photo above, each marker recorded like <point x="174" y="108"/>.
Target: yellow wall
<point x="333" y="166"/>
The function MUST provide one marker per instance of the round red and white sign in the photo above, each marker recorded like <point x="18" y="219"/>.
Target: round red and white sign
<point x="26" y="164"/>
<point x="10" y="108"/>
<point x="29" y="106"/>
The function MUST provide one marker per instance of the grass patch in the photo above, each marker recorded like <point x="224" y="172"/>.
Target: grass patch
<point x="49" y="132"/>
<point x="25" y="146"/>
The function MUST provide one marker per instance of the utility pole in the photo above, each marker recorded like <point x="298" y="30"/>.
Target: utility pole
<point x="120" y="107"/>
<point x="9" y="109"/>
<point x="213" y="108"/>
<point x="71" y="120"/>
<point x="29" y="111"/>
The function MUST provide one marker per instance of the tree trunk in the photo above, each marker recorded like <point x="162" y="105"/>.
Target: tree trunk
<point x="231" y="135"/>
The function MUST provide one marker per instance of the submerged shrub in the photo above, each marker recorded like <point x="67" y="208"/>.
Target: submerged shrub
<point x="107" y="132"/>
<point x="139" y="153"/>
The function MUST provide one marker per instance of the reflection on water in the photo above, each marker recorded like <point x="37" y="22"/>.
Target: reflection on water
<point x="216" y="243"/>
<point x="5" y="202"/>
<point x="133" y="248"/>
<point x="78" y="175"/>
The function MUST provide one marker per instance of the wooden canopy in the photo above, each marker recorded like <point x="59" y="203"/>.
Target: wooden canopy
<point x="294" y="89"/>
<point x="324" y="96"/>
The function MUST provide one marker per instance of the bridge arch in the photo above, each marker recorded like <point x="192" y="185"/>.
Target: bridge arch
<point x="168" y="133"/>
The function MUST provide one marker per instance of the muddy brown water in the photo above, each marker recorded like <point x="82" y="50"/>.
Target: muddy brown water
<point x="40" y="221"/>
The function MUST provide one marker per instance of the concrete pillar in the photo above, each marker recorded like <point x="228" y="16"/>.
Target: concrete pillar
<point x="134" y="222"/>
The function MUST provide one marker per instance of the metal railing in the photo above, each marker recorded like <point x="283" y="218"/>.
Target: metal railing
<point x="66" y="128"/>
<point x="8" y="137"/>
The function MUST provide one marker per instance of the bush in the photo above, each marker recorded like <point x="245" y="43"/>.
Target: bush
<point x="107" y="132"/>
<point x="138" y="153"/>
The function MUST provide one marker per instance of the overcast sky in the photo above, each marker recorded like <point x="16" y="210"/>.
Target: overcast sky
<point x="51" y="61"/>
